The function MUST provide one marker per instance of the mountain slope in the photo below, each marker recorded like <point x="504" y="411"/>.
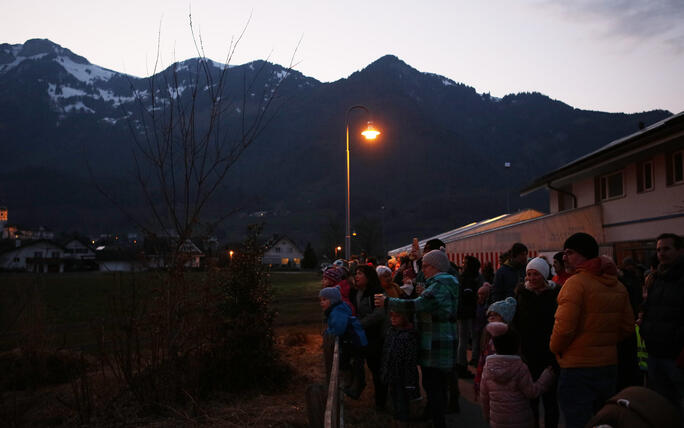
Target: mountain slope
<point x="438" y="163"/>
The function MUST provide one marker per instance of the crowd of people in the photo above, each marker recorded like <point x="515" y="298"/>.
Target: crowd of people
<point x="571" y="333"/>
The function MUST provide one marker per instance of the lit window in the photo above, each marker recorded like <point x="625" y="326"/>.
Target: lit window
<point x="611" y="186"/>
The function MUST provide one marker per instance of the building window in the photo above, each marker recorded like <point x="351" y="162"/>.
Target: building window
<point x="54" y="254"/>
<point x="277" y="249"/>
<point x="645" y="176"/>
<point x="565" y="199"/>
<point x="677" y="172"/>
<point x="611" y="186"/>
<point x="37" y="254"/>
<point x="16" y="260"/>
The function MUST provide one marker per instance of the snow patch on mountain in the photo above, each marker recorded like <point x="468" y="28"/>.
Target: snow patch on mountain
<point x="117" y="100"/>
<point x="448" y="82"/>
<point x="78" y="106"/>
<point x="175" y="92"/>
<point x="19" y="60"/>
<point x="86" y="73"/>
<point x="65" y="92"/>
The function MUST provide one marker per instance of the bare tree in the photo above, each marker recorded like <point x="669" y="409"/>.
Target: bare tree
<point x="186" y="138"/>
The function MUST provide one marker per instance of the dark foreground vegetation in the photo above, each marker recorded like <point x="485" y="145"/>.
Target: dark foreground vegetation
<point x="111" y="349"/>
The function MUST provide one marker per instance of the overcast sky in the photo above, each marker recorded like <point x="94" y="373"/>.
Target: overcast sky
<point x="608" y="55"/>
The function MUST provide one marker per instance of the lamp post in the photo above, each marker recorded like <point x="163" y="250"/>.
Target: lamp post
<point x="507" y="165"/>
<point x="370" y="134"/>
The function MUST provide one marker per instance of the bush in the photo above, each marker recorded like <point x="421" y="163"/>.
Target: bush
<point x="244" y="355"/>
<point x="198" y="334"/>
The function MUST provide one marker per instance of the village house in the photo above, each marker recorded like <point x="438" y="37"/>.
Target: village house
<point x="39" y="256"/>
<point x="624" y="194"/>
<point x="283" y="252"/>
<point x="160" y="252"/>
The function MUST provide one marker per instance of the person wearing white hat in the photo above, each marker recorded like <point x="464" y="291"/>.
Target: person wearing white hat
<point x="534" y="320"/>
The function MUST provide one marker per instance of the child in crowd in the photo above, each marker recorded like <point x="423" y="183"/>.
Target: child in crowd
<point x="343" y="324"/>
<point x="334" y="277"/>
<point x="501" y="311"/>
<point x="399" y="361"/>
<point x="507" y="385"/>
<point x="479" y="322"/>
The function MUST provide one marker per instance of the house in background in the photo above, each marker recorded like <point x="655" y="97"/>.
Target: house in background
<point x="78" y="248"/>
<point x="283" y="252"/>
<point x="17" y="232"/>
<point x="79" y="254"/>
<point x="624" y="194"/>
<point x="40" y="256"/>
<point x="160" y="251"/>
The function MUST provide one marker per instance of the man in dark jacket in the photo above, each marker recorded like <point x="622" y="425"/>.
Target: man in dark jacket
<point x="510" y="274"/>
<point x="663" y="324"/>
<point x="467" y="306"/>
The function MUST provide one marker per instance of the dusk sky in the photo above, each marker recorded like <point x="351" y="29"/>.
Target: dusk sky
<point x="614" y="55"/>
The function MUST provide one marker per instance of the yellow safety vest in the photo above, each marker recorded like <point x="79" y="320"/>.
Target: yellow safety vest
<point x="642" y="355"/>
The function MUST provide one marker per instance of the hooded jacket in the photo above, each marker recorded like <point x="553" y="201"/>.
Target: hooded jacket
<point x="507" y="389"/>
<point x="593" y="315"/>
<point x="341" y="322"/>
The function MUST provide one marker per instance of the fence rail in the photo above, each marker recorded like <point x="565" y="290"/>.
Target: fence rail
<point x="334" y="414"/>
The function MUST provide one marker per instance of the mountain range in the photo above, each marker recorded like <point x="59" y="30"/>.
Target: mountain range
<point x="66" y="124"/>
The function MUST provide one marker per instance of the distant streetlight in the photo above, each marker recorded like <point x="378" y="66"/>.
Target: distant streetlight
<point x="230" y="253"/>
<point x="370" y="134"/>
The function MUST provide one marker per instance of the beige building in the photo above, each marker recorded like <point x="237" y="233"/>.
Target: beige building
<point x="625" y="194"/>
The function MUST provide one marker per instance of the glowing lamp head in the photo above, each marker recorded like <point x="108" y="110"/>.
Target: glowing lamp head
<point x="370" y="133"/>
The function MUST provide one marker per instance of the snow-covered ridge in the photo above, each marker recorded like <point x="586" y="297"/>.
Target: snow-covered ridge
<point x="86" y="73"/>
<point x="19" y="60"/>
<point x="78" y="106"/>
<point x="105" y="95"/>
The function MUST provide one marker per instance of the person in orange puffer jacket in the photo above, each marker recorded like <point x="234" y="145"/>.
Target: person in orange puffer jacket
<point x="593" y="315"/>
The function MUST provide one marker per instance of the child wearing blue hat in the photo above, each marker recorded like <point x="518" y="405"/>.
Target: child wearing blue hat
<point x="343" y="324"/>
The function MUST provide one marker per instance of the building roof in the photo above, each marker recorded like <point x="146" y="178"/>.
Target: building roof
<point x="278" y="238"/>
<point x="610" y="155"/>
<point x="7" y="245"/>
<point x="475" y="228"/>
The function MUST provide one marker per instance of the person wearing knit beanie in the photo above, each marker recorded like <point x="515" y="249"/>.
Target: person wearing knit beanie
<point x="332" y="294"/>
<point x="437" y="259"/>
<point x="505" y="308"/>
<point x="540" y="265"/>
<point x="593" y="316"/>
<point x="331" y="276"/>
<point x="584" y="244"/>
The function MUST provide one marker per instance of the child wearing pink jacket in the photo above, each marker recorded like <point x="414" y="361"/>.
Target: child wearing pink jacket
<point x="507" y="387"/>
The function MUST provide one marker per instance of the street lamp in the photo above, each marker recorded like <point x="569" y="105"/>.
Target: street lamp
<point x="507" y="165"/>
<point x="370" y="134"/>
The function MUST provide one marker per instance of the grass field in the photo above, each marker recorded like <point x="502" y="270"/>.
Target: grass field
<point x="69" y="305"/>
